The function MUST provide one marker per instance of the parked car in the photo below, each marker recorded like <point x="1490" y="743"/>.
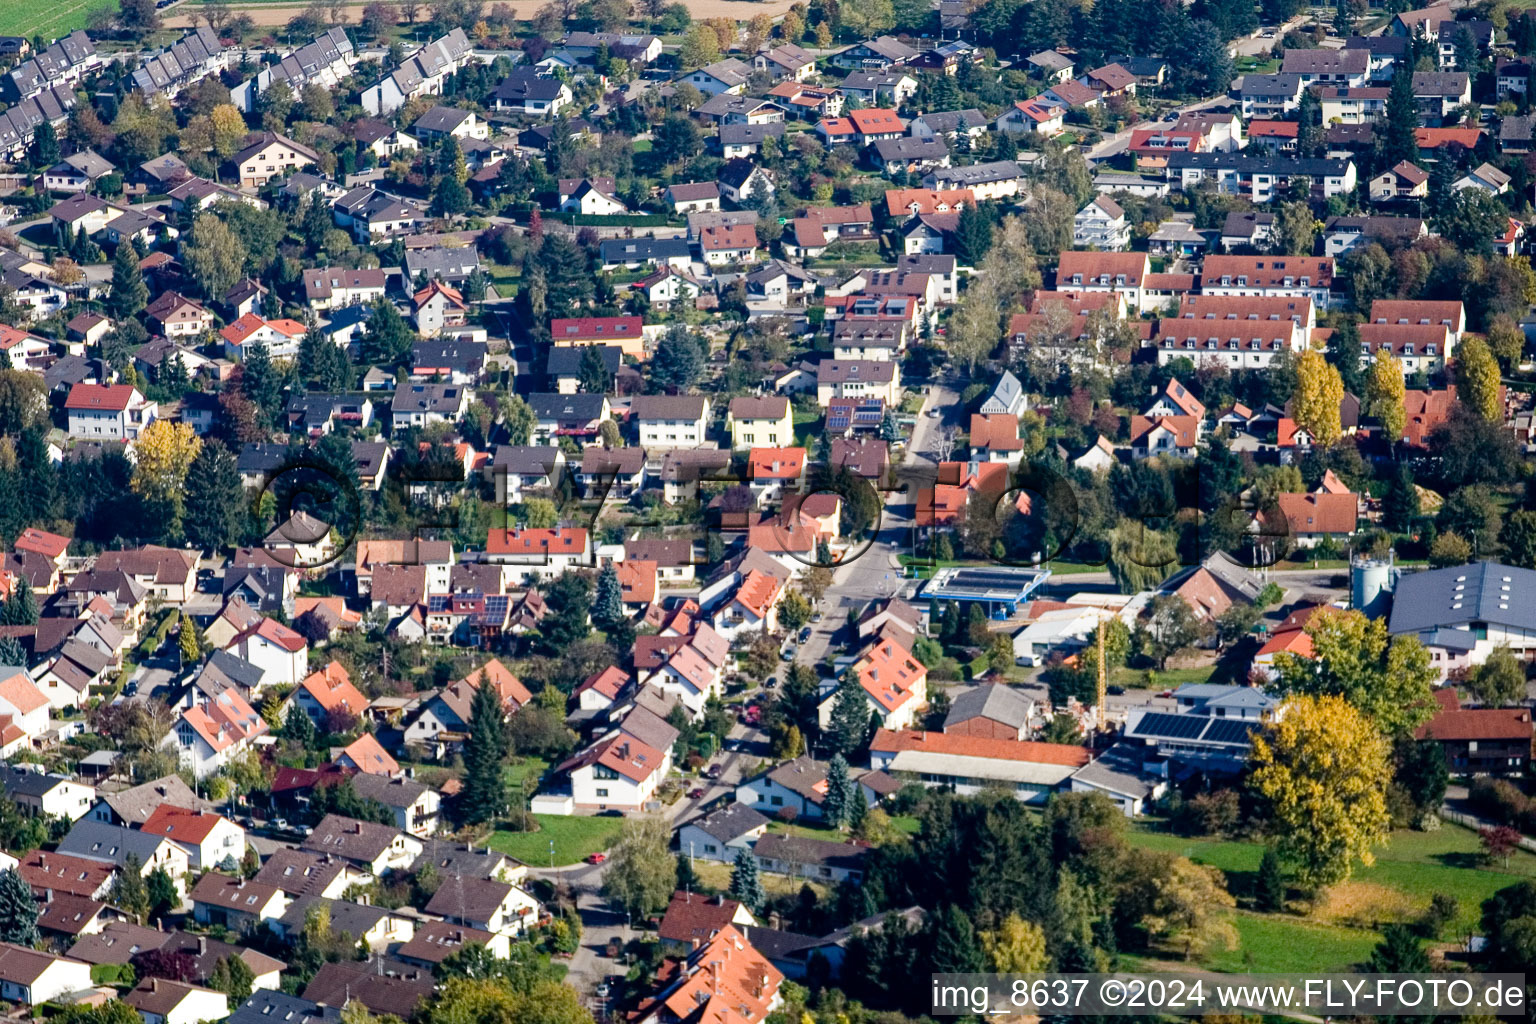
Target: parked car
<point x="603" y="989"/>
<point x="805" y="633"/>
<point x="596" y="858"/>
<point x="696" y="793"/>
<point x="714" y="770"/>
<point x="753" y="714"/>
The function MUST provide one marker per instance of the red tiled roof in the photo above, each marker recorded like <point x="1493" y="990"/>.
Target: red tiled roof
<point x="569" y="540"/>
<point x="595" y="328"/>
<point x="332" y="689"/>
<point x="180" y="824"/>
<point x="637" y="577"/>
<point x="1478" y="724"/>
<point x="876" y="121"/>
<point x="776" y="463"/>
<point x="1319" y="513"/>
<point x="889" y="674"/>
<point x="112" y="397"/>
<point x="42" y="542"/>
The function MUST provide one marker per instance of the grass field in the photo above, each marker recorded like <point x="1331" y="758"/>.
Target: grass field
<point x="1344" y="927"/>
<point x="24" y="18"/>
<point x="574" y="838"/>
<point x="902" y="823"/>
<point x="717" y="876"/>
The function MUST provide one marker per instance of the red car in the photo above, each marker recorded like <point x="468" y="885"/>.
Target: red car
<point x="596" y="858"/>
<point x="754" y="713"/>
<point x="694" y="794"/>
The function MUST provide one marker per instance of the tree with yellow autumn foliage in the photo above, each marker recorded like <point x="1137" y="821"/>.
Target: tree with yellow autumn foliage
<point x="1016" y="946"/>
<point x="1322" y="767"/>
<point x="1319" y="391"/>
<point x="1188" y="908"/>
<point x="1477" y="379"/>
<point x="165" y="452"/>
<point x="1384" y="391"/>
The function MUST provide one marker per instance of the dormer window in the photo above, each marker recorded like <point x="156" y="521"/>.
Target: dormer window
<point x="1430" y="349"/>
<point x="1407" y="350"/>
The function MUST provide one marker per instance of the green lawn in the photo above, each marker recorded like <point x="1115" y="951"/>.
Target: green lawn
<point x="1173" y="677"/>
<point x="902" y="823"/>
<point x="526" y="767"/>
<point x="574" y="838"/>
<point x="1408" y="871"/>
<point x="1273" y="943"/>
<point x="20" y="18"/>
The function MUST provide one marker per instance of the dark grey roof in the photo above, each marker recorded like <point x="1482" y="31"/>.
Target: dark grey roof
<point x="998" y="701"/>
<point x="749" y="134"/>
<point x="1487" y="592"/>
<point x="909" y="148"/>
<point x="1383" y="45"/>
<point x="730" y="822"/>
<point x="806" y="852"/>
<point x="1117" y="770"/>
<point x="440" y="261"/>
<point x="440" y="398"/>
<point x="1245" y="163"/>
<point x="1440" y="83"/>
<point x="976" y="174"/>
<point x="1243" y="223"/>
<point x="96" y="840"/>
<point x="233" y="668"/>
<point x="627" y="250"/>
<point x="547" y="406"/>
<point x="392" y="793"/>
<point x="946" y="121"/>
<point x="565" y="361"/>
<point x="526" y="84"/>
<point x="272" y="1006"/>
<point x="448" y="858"/>
<point x="524" y="458"/>
<point x="1271" y="85"/>
<point x="18" y="781"/>
<point x="262" y="458"/>
<point x="353" y="918"/>
<point x="441" y="119"/>
<point x="459" y="354"/>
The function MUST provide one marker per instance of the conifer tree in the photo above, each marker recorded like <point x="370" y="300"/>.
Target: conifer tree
<point x="608" y="608"/>
<point x="746" y="885"/>
<point x="485" y="783"/>
<point x="18" y="910"/>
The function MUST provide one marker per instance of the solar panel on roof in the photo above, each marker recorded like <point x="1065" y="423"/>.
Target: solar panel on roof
<point x="1173" y="727"/>
<point x="1227" y="730"/>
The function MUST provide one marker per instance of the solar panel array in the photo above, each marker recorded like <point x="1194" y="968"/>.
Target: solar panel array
<point x="1227" y="731"/>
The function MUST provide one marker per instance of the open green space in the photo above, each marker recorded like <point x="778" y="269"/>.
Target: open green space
<point x="902" y="823"/>
<point x="1344" y="926"/>
<point x="574" y="838"/>
<point x="24" y="18"/>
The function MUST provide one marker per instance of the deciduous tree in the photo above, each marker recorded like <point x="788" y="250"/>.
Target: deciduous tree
<point x="639" y="872"/>
<point x="1384" y="390"/>
<point x="1500" y="680"/>
<point x="1016" y="946"/>
<point x="1189" y="908"/>
<point x="1319" y="392"/>
<point x="1322" y="769"/>
<point x="1477" y="376"/>
<point x="214" y="256"/>
<point x="1388" y="679"/>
